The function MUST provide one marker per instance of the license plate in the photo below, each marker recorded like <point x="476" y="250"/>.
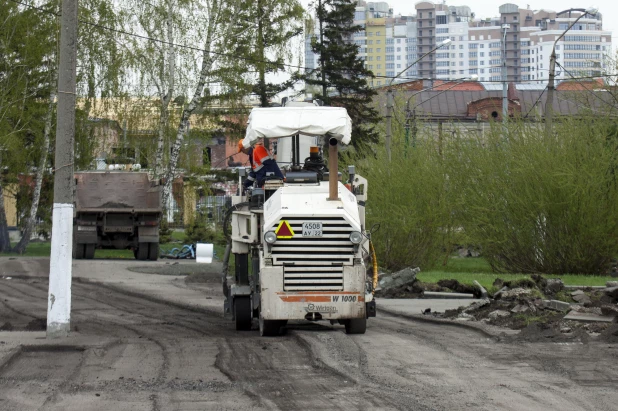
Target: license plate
<point x="312" y="229"/>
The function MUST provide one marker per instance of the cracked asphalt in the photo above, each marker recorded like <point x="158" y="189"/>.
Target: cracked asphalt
<point x="138" y="346"/>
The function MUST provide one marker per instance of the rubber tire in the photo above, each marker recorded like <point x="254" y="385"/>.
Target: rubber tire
<point x="356" y="326"/>
<point x="153" y="251"/>
<point x="270" y="328"/>
<point x="78" y="251"/>
<point x="142" y="251"/>
<point x="89" y="251"/>
<point x="242" y="313"/>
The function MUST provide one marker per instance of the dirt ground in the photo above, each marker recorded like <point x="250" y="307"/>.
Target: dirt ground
<point x="154" y="355"/>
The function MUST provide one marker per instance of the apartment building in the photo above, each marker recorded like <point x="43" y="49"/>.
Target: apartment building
<point x="525" y="37"/>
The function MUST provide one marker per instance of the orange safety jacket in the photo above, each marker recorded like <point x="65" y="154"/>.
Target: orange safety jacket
<point x="259" y="155"/>
<point x="261" y="163"/>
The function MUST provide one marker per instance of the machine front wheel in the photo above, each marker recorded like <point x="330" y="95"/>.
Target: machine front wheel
<point x="242" y="313"/>
<point x="356" y="326"/>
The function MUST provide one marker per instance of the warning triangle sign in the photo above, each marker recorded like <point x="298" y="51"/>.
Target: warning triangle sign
<point x="284" y="230"/>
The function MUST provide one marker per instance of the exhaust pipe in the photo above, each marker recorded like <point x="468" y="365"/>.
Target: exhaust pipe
<point x="333" y="170"/>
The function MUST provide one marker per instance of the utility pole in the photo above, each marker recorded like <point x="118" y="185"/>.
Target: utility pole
<point x="59" y="301"/>
<point x="389" y="115"/>
<point x="505" y="99"/>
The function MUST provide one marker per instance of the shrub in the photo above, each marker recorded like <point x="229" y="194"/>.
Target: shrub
<point x="407" y="199"/>
<point x="165" y="233"/>
<point x="538" y="203"/>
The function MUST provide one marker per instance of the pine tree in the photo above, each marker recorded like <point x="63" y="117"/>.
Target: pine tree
<point x="341" y="71"/>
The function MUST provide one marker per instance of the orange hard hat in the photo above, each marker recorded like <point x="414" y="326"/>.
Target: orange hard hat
<point x="240" y="146"/>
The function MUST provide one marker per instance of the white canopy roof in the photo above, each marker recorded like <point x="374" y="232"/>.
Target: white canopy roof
<point x="278" y="122"/>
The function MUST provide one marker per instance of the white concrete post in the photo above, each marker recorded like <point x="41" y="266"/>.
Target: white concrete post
<point x="59" y="301"/>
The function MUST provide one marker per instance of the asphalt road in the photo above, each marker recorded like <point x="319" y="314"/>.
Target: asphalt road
<point x="147" y="354"/>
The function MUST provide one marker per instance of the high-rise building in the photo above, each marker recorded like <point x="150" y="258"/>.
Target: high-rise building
<point x="391" y="44"/>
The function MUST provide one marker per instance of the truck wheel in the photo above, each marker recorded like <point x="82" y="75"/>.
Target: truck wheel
<point x="270" y="328"/>
<point x="78" y="251"/>
<point x="89" y="251"/>
<point x="142" y="251"/>
<point x="153" y="251"/>
<point x="356" y="326"/>
<point x="242" y="313"/>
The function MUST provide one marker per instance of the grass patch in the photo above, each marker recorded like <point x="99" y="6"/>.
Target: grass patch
<point x="43" y="249"/>
<point x="466" y="270"/>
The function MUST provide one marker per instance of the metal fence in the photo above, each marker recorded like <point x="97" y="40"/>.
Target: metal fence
<point x="210" y="209"/>
<point x="213" y="208"/>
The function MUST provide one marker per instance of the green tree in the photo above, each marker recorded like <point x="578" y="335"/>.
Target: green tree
<point x="27" y="73"/>
<point x="265" y="31"/>
<point x="341" y="75"/>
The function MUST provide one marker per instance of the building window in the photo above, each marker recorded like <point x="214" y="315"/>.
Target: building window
<point x="377" y="41"/>
<point x="430" y="14"/>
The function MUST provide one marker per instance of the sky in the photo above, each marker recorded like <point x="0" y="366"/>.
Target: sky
<point x="489" y="8"/>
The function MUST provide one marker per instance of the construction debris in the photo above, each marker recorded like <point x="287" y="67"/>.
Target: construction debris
<point x="546" y="308"/>
<point x="404" y="284"/>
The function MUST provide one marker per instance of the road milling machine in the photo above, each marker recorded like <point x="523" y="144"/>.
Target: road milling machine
<point x="300" y="246"/>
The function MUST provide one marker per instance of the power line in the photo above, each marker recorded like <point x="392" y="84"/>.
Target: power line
<point x="251" y="60"/>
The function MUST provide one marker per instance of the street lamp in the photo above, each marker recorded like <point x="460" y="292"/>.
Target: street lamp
<point x="552" y="70"/>
<point x="389" y="96"/>
<point x="473" y="77"/>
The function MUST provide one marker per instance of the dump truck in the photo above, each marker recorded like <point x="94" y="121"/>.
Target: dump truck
<point x="116" y="210"/>
<point x="300" y="246"/>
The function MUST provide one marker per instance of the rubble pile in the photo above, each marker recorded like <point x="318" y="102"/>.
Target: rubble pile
<point x="404" y="284"/>
<point x="544" y="307"/>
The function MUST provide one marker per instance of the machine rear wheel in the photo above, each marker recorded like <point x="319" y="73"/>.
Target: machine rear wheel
<point x="242" y="313"/>
<point x="89" y="251"/>
<point x="153" y="251"/>
<point x="142" y="251"/>
<point x="270" y="328"/>
<point x="356" y="326"/>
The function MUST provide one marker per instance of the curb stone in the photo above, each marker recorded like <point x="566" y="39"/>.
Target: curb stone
<point x="484" y="329"/>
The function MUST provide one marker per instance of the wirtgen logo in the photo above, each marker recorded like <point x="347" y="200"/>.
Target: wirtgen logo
<point x="312" y="308"/>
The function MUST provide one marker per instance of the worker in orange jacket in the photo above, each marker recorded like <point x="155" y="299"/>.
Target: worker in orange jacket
<point x="261" y="164"/>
